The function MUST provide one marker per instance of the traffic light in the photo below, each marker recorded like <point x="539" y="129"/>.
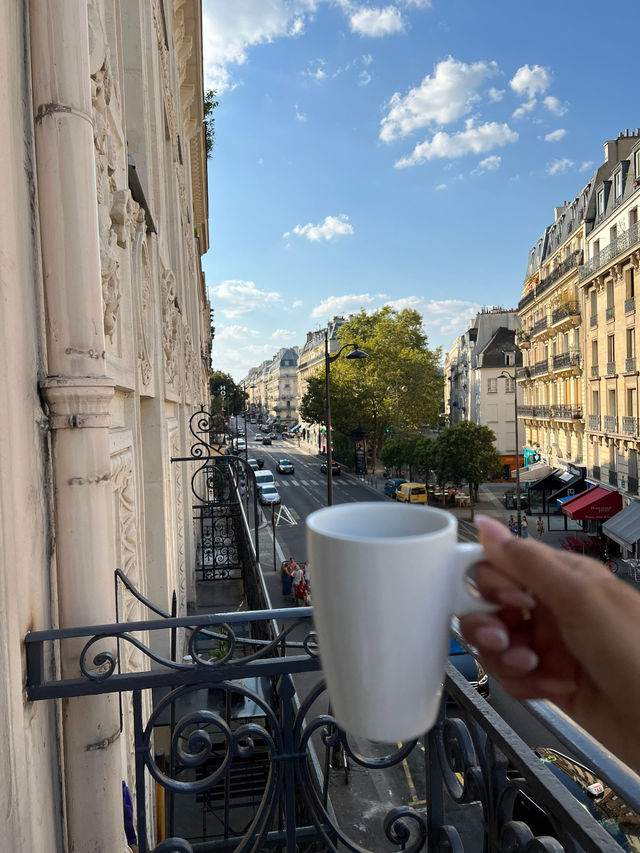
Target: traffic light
<point x="324" y="431"/>
<point x="388" y="430"/>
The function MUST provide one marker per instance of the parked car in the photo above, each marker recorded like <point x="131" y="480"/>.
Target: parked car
<point x="335" y="468"/>
<point x="469" y="667"/>
<point x="268" y="495"/>
<point x="256" y="464"/>
<point x="240" y="444"/>
<point x="266" y="439"/>
<point x="391" y="485"/>
<point x="258" y="437"/>
<point x="285" y="467"/>
<point x="264" y="478"/>
<point x="509" y="499"/>
<point x="412" y="493"/>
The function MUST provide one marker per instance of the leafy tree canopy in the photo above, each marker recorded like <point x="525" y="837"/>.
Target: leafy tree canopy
<point x="233" y="399"/>
<point x="210" y="103"/>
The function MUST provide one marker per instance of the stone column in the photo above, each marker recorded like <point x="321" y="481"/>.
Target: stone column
<point x="78" y="393"/>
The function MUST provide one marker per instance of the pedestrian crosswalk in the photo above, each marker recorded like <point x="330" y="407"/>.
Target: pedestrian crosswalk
<point x="295" y="481"/>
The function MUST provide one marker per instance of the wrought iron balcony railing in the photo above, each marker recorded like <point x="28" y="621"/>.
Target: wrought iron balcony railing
<point x="540" y="326"/>
<point x="611" y="368"/>
<point x="595" y="370"/>
<point x="610" y="423"/>
<point x="629" y="425"/>
<point x="629" y="305"/>
<point x="595" y="472"/>
<point x="613" y="478"/>
<point x="593" y="320"/>
<point x="565" y="412"/>
<point x="594" y="422"/>
<point x="523" y="373"/>
<point x="632" y="485"/>
<point x="630" y="365"/>
<point x="565" y="360"/>
<point x="570" y="309"/>
<point x="574" y="259"/>
<point x="610" y="313"/>
<point x="622" y="243"/>
<point x="541" y="367"/>
<point x="275" y="758"/>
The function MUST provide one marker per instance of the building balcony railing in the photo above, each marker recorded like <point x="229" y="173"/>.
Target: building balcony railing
<point x="566" y="412"/>
<point x="566" y="360"/>
<point x="611" y="368"/>
<point x="610" y="423"/>
<point x="613" y="478"/>
<point x="574" y="259"/>
<point x="523" y="338"/>
<point x="595" y="472"/>
<point x="610" y="313"/>
<point x="632" y="485"/>
<point x="540" y="326"/>
<point x="593" y="321"/>
<point x="595" y="370"/>
<point x="629" y="425"/>
<point x="525" y="411"/>
<point x="622" y="243"/>
<point x="629" y="305"/>
<point x="568" y="310"/>
<point x="630" y="365"/>
<point x="540" y="367"/>
<point x="594" y="422"/>
<point x="523" y="373"/>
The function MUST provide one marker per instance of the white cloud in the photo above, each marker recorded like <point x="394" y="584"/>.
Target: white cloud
<point x="523" y="109"/>
<point x="235" y="333"/>
<point x="364" y="78"/>
<point x="531" y="81"/>
<point x="489" y="164"/>
<point x="440" y="98"/>
<point x="297" y="303"/>
<point x="588" y="164"/>
<point x="341" y="305"/>
<point x="367" y="59"/>
<point x="441" y="187"/>
<point x="237" y="361"/>
<point x="475" y="139"/>
<point x="448" y="316"/>
<point x="554" y="105"/>
<point x="235" y="297"/>
<point x="495" y="95"/>
<point x="317" y="72"/>
<point x="300" y="116"/>
<point x="555" y="135"/>
<point x="376" y="23"/>
<point x="283" y="333"/>
<point x="558" y="166"/>
<point x="333" y="226"/>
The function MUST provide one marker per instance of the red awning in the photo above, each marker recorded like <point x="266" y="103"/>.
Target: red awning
<point x="596" y="504"/>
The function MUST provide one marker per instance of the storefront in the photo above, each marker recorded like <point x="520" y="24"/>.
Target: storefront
<point x="547" y="493"/>
<point x="624" y="528"/>
<point x="593" y="507"/>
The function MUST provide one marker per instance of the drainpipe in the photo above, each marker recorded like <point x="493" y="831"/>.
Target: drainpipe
<point x="78" y="393"/>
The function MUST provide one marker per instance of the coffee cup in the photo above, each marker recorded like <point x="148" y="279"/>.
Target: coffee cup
<point x="387" y="579"/>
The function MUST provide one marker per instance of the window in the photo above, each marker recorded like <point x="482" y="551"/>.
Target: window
<point x="601" y="201"/>
<point x="610" y="293"/>
<point x="492" y="386"/>
<point x="629" y="280"/>
<point x="631" y="343"/>
<point x="636" y="161"/>
<point x="595" y="248"/>
<point x="631" y="403"/>
<point x="595" y="402"/>
<point x="611" y="348"/>
<point x="612" y="401"/>
<point x="509" y="358"/>
<point x="617" y="184"/>
<point x="613" y="233"/>
<point x="594" y="352"/>
<point x="594" y="303"/>
<point x="510" y="385"/>
<point x="633" y="216"/>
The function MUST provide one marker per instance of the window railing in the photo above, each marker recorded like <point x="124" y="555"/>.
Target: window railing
<point x="630" y="365"/>
<point x="574" y="260"/>
<point x="566" y="359"/>
<point x="611" y="368"/>
<point x="594" y="422"/>
<point x="610" y="423"/>
<point x="525" y="411"/>
<point x="613" y="478"/>
<point x="566" y="412"/>
<point x="593" y="320"/>
<point x="595" y="370"/>
<point x="540" y="326"/>
<point x="632" y="485"/>
<point x="541" y="367"/>
<point x="523" y="372"/>
<point x="620" y="244"/>
<point x="629" y="425"/>
<point x="629" y="305"/>
<point x="570" y="309"/>
<point x="610" y="313"/>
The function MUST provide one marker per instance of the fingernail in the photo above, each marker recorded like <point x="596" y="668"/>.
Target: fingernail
<point x="493" y="529"/>
<point x="520" y="658"/>
<point x="492" y="638"/>
<point x="515" y="598"/>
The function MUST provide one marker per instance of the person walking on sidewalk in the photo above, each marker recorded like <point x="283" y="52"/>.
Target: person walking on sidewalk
<point x="298" y="578"/>
<point x="524" y="527"/>
<point x="540" y="526"/>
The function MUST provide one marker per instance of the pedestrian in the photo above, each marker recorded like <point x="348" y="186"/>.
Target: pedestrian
<point x="287" y="578"/>
<point x="301" y="594"/>
<point x="298" y="578"/>
<point x="540" y="526"/>
<point x="511" y="524"/>
<point x="306" y="568"/>
<point x="524" y="527"/>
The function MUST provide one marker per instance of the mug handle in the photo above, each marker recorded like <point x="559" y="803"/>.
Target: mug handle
<point x="466" y="598"/>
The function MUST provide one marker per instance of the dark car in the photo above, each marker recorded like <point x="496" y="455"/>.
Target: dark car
<point x="510" y="499"/>
<point x="285" y="467"/>
<point x="391" y="485"/>
<point x="266" y="440"/>
<point x="469" y="667"/>
<point x="335" y="468"/>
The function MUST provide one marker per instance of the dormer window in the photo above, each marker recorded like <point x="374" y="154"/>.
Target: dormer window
<point x="601" y="201"/>
<point x="509" y="359"/>
<point x="617" y="184"/>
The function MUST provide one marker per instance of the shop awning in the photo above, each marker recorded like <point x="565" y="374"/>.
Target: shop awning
<point x="548" y="481"/>
<point x="624" y="528"/>
<point x="295" y="428"/>
<point x="595" y="504"/>
<point x="531" y="473"/>
<point x="572" y="485"/>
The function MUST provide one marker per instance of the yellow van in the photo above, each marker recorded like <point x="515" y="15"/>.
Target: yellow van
<point x="413" y="493"/>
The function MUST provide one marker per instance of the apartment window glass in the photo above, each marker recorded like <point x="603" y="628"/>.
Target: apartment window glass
<point x="613" y="233"/>
<point x="631" y="343"/>
<point x="617" y="184"/>
<point x="492" y="386"/>
<point x="611" y="397"/>
<point x="611" y="348"/>
<point x="510" y="385"/>
<point x="631" y="403"/>
<point x="595" y="248"/>
<point x="610" y="294"/>
<point x="629" y="280"/>
<point x="612" y="457"/>
<point x="509" y="358"/>
<point x="601" y="201"/>
<point x="636" y="161"/>
<point x="593" y="301"/>
<point x="633" y="216"/>
<point x="594" y="352"/>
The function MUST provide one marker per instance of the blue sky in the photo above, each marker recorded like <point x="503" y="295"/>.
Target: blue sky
<point x="408" y="152"/>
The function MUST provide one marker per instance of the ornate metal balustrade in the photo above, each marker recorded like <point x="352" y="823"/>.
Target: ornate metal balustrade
<point x="594" y="422"/>
<point x="629" y="305"/>
<point x="570" y="309"/>
<point x="630" y="365"/>
<point x="595" y="473"/>
<point x="566" y="412"/>
<point x="471" y="756"/>
<point x="566" y="360"/>
<point x="541" y="367"/>
<point x="610" y="423"/>
<point x="540" y="326"/>
<point x="632" y="485"/>
<point x="622" y="243"/>
<point x="629" y="425"/>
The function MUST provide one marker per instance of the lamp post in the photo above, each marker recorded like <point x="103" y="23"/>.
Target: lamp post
<point x="506" y="375"/>
<point x="328" y="359"/>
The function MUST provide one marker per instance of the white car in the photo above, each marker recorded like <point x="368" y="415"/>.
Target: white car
<point x="240" y="444"/>
<point x="258" y="437"/>
<point x="268" y="495"/>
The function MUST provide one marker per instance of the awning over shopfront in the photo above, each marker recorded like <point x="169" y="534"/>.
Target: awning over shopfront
<point x="549" y="481"/>
<point x="595" y="504"/>
<point x="531" y="473"/>
<point x="624" y="528"/>
<point x="572" y="485"/>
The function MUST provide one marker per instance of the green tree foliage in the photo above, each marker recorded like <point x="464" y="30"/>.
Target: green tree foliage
<point x="210" y="103"/>
<point x="233" y="401"/>
<point x="399" y="450"/>
<point x="467" y="454"/>
<point x="369" y="392"/>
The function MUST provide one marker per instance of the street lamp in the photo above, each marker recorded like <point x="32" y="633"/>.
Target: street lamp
<point x="506" y="375"/>
<point x="328" y="359"/>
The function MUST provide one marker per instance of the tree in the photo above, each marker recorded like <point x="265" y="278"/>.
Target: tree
<point x="210" y="103"/>
<point x="233" y="400"/>
<point x="368" y="392"/>
<point x="468" y="455"/>
<point x="399" y="450"/>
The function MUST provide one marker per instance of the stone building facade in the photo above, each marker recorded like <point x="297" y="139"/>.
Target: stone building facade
<point x="104" y="355"/>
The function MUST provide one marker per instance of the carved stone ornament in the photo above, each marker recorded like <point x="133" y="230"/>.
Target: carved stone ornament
<point x="144" y="301"/>
<point x="170" y="326"/>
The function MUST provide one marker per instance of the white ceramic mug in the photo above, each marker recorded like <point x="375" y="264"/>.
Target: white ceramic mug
<point x="387" y="578"/>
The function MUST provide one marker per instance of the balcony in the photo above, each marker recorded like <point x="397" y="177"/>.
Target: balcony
<point x="610" y="423"/>
<point x="564" y="412"/>
<point x="540" y="326"/>
<point x="630" y="365"/>
<point x="613" y="478"/>
<point x="629" y="305"/>
<point x="622" y="243"/>
<point x="566" y="361"/>
<point x="540" y="367"/>
<point x="595" y="371"/>
<point x="593" y="321"/>
<point x="523" y="339"/>
<point x="565" y="316"/>
<point x="610" y="313"/>
<point x="574" y="260"/>
<point x="629" y="425"/>
<point x="523" y="373"/>
<point x="594" y="422"/>
<point x="525" y="411"/>
<point x="611" y="368"/>
<point x="595" y="473"/>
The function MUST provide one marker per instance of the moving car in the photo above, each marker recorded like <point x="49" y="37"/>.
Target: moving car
<point x="256" y="464"/>
<point x="412" y="493"/>
<point x="264" y="478"/>
<point x="258" y="437"/>
<point x="335" y="468"/>
<point x="266" y="439"/>
<point x="240" y="444"/>
<point x="285" y="467"/>
<point x="268" y="495"/>
<point x="391" y="485"/>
